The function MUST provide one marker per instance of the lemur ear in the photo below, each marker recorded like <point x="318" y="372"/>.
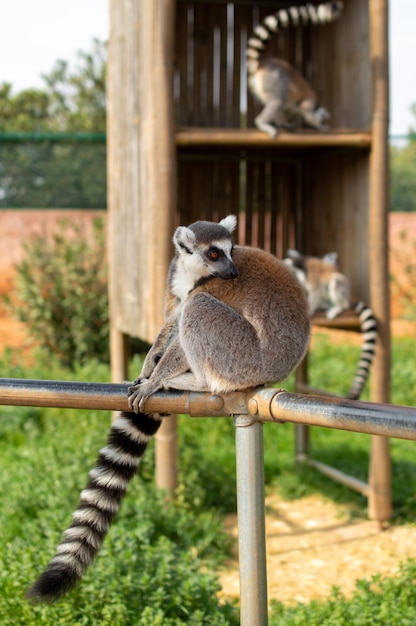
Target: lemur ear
<point x="184" y="239"/>
<point x="229" y="223"/>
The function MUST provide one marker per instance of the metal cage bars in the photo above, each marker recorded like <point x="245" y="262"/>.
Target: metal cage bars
<point x="249" y="410"/>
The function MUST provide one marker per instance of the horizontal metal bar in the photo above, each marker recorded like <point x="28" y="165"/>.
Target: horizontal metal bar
<point x="263" y="404"/>
<point x="314" y="391"/>
<point x="113" y="397"/>
<point x="345" y="479"/>
<point x="362" y="417"/>
<point x="63" y="394"/>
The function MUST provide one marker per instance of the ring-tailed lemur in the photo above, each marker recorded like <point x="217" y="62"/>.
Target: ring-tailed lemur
<point x="328" y="290"/>
<point x="236" y="317"/>
<point x="278" y="86"/>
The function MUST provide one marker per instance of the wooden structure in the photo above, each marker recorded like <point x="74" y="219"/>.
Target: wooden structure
<point x="182" y="147"/>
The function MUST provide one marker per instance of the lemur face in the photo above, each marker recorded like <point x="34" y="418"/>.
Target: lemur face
<point x="206" y="249"/>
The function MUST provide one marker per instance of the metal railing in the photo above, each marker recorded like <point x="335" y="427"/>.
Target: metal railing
<point x="249" y="410"/>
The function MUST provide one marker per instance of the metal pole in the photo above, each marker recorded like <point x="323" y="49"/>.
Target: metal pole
<point x="262" y="404"/>
<point x="251" y="521"/>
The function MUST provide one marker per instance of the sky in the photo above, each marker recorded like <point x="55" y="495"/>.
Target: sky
<point x="36" y="33"/>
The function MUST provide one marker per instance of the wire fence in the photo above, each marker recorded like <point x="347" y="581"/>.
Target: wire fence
<point x="53" y="170"/>
<point x="67" y="170"/>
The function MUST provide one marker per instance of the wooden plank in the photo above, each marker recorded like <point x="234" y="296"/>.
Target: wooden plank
<point x="253" y="106"/>
<point x="223" y="69"/>
<point x="199" y="54"/>
<point x="194" y="136"/>
<point x="234" y="167"/>
<point x="261" y="203"/>
<point x="141" y="163"/>
<point x="181" y="66"/>
<point x="208" y="68"/>
<point x="209" y="176"/>
<point x="237" y="73"/>
<point x="335" y="214"/>
<point x="348" y="320"/>
<point x="344" y="84"/>
<point x="249" y="187"/>
<point x="275" y="247"/>
<point x="286" y="190"/>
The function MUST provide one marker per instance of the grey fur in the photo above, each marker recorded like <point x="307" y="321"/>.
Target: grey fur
<point x="328" y="290"/>
<point x="235" y="318"/>
<point x="285" y="94"/>
<point x="236" y="321"/>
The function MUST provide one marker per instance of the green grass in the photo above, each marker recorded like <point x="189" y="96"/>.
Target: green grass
<point x="378" y="602"/>
<point x="158" y="564"/>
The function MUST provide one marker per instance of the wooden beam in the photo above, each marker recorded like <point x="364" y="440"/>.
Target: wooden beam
<point x="141" y="185"/>
<point x="348" y="320"/>
<point x="380" y="470"/>
<point x="250" y="137"/>
<point x="141" y="162"/>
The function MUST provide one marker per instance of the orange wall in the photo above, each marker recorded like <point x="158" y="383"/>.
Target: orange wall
<point x="16" y="226"/>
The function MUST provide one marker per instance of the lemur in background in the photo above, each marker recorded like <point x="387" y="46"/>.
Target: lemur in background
<point x="328" y="290"/>
<point x="282" y="90"/>
<point x="235" y="317"/>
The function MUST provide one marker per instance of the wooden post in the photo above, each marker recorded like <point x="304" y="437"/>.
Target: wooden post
<point x="141" y="171"/>
<point x="119" y="349"/>
<point x="380" y="467"/>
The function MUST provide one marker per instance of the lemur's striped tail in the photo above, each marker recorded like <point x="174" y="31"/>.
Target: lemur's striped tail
<point x="296" y="16"/>
<point x="99" y="503"/>
<point x="368" y="325"/>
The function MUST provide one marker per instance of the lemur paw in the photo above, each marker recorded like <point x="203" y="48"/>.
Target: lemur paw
<point x="138" y="380"/>
<point x="138" y="393"/>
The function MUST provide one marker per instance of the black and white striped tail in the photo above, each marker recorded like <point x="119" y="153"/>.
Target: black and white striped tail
<point x="292" y="16"/>
<point x="99" y="503"/>
<point x="368" y="325"/>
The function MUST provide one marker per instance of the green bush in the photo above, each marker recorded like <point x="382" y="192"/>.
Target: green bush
<point x="158" y="563"/>
<point x="61" y="293"/>
<point x="378" y="602"/>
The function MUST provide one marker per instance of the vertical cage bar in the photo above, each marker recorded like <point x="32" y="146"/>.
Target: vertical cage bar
<point x="251" y="521"/>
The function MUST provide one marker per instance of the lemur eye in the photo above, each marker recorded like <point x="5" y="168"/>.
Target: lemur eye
<point x="213" y="254"/>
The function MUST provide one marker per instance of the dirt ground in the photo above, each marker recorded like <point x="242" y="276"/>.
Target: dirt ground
<point x="312" y="544"/>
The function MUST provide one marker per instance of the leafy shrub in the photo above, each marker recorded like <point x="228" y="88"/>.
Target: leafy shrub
<point x="61" y="293"/>
<point x="380" y="601"/>
<point x="157" y="565"/>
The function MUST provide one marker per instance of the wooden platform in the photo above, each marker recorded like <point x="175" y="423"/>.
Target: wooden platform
<point x="348" y="320"/>
<point x="251" y="137"/>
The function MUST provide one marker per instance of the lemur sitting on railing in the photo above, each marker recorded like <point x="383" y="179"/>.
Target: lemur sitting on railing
<point x="236" y="317"/>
